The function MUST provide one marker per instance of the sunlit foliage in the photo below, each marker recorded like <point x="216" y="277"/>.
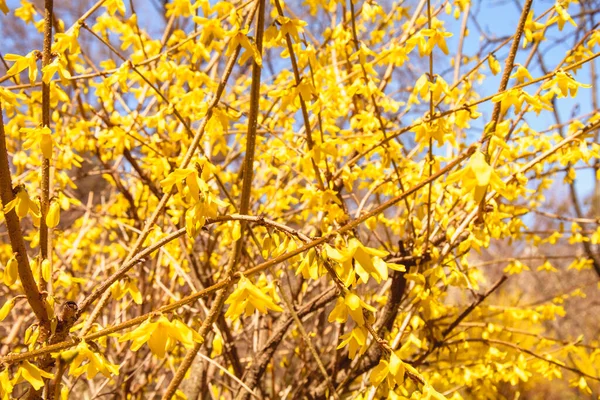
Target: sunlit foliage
<point x="298" y="199"/>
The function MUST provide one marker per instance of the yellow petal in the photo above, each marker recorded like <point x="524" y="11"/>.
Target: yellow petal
<point x="10" y="205"/>
<point x="53" y="216"/>
<point x="379" y="373"/>
<point x="11" y="271"/>
<point x="352" y="301"/>
<point x="396" y="366"/>
<point x="46" y="145"/>
<point x="217" y="346"/>
<point x="46" y="270"/>
<point x="6" y="308"/>
<point x="236" y="232"/>
<point x="33" y="374"/>
<point x="22" y="204"/>
<point x="339" y="312"/>
<point x="158" y="344"/>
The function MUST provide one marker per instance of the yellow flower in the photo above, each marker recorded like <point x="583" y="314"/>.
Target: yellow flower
<point x="393" y="370"/>
<point x="26" y="12"/>
<point x="41" y="136"/>
<point x="113" y="6"/>
<point x="240" y="38"/>
<point x="494" y="64"/>
<point x="515" y="267"/>
<point x="53" y="216"/>
<point x="7" y="96"/>
<point x="292" y="27"/>
<point x="206" y="207"/>
<point x="217" y="345"/>
<point x="368" y="261"/>
<point x="350" y="304"/>
<point x="32" y="374"/>
<point x="96" y="362"/>
<point x="563" y="83"/>
<point x="211" y="27"/>
<point x="6" y="308"/>
<point x="356" y="340"/>
<point x="477" y="175"/>
<point x="6" y="385"/>
<point x="436" y="37"/>
<point x="563" y="16"/>
<point x="23" y="62"/>
<point x="181" y="8"/>
<point x="22" y="204"/>
<point x="128" y="285"/>
<point x="11" y="271"/>
<point x="521" y="74"/>
<point x="161" y="335"/>
<point x="533" y="30"/>
<point x="56" y="66"/>
<point x="309" y="266"/>
<point x="67" y="41"/>
<point x="509" y="98"/>
<point x="246" y="298"/>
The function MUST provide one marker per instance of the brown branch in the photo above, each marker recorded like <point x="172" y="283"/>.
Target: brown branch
<point x="264" y="355"/>
<point x="34" y="297"/>
<point x="311" y="347"/>
<point x="480" y="298"/>
<point x="509" y="64"/>
<point x="45" y="198"/>
<point x="248" y="171"/>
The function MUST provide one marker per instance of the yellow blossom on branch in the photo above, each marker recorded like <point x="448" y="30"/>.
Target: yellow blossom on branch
<point x="23" y="204"/>
<point x="477" y="176"/>
<point x="83" y="359"/>
<point x="368" y="261"/>
<point x="23" y="62"/>
<point x="32" y="374"/>
<point x="161" y="335"/>
<point x="351" y="305"/>
<point x="563" y="84"/>
<point x="356" y="340"/>
<point x="246" y="298"/>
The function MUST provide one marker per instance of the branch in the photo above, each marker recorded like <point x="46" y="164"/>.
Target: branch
<point x="248" y="171"/>
<point x="264" y="355"/>
<point x="480" y="298"/>
<point x="45" y="198"/>
<point x="311" y="347"/>
<point x="508" y="66"/>
<point x="34" y="297"/>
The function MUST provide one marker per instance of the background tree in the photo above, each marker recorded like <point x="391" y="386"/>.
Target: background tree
<point x="347" y="199"/>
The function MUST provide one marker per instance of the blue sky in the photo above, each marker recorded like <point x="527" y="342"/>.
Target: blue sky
<point x="499" y="19"/>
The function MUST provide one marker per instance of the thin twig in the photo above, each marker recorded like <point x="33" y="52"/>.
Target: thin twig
<point x="311" y="347"/>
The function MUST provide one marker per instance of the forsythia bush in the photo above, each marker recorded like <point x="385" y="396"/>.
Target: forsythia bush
<point x="311" y="199"/>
